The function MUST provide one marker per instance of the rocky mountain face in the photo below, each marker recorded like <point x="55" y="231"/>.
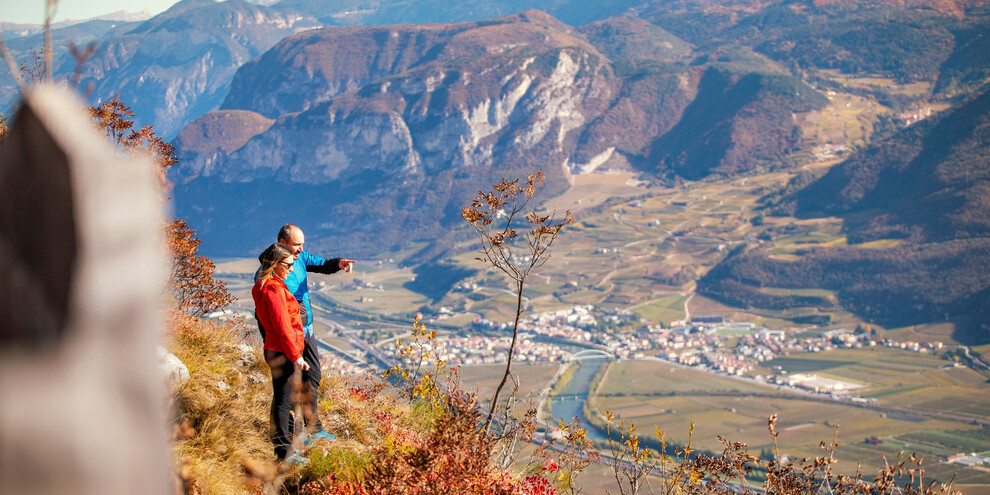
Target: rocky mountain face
<point x="406" y="112"/>
<point x="178" y="65"/>
<point x="396" y="107"/>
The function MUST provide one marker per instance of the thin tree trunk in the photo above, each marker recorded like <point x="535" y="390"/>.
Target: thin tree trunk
<point x="508" y="362"/>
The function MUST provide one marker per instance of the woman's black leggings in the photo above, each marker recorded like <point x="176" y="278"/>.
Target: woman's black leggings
<point x="282" y="389"/>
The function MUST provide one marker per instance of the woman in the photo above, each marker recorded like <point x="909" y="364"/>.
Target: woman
<point x="278" y="313"/>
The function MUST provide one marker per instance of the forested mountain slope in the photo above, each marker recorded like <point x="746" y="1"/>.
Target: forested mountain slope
<point x="928" y="188"/>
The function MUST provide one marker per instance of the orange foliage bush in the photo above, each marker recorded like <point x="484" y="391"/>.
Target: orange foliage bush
<point x="191" y="281"/>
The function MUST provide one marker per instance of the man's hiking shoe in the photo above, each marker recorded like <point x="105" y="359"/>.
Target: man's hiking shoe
<point x="297" y="459"/>
<point x="323" y="434"/>
<point x="320" y="435"/>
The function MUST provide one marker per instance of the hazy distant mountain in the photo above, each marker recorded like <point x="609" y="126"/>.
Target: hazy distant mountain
<point x="26" y="40"/>
<point x="123" y="15"/>
<point x="178" y="65"/>
<point x="13" y="29"/>
<point x="378" y="12"/>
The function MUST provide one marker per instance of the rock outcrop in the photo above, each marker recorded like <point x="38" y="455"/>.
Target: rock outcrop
<point x="174" y="371"/>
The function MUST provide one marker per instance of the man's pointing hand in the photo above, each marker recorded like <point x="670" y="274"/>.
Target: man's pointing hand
<point x="345" y="264"/>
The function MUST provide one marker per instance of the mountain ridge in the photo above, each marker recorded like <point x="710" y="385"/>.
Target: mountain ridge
<point x="502" y="94"/>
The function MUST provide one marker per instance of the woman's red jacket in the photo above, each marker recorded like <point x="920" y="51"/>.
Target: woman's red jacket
<point x="278" y="312"/>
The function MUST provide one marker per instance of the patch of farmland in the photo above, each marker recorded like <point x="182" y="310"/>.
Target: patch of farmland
<point x="801" y="365"/>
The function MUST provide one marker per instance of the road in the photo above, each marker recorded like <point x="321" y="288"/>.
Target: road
<point x="384" y="362"/>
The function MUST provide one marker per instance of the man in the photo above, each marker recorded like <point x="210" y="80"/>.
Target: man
<point x="292" y="237"/>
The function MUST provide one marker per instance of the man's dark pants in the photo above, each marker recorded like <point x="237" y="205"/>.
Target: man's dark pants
<point x="311" y="385"/>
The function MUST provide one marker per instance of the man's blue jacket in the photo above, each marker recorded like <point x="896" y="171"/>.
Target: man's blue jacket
<point x="296" y="282"/>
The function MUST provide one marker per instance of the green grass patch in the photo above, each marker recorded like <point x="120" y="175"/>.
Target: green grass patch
<point x="822" y="293"/>
<point x="664" y="309"/>
<point x="965" y="440"/>
<point x="346" y="463"/>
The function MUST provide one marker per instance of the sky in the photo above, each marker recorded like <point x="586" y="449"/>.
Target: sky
<point x="33" y="11"/>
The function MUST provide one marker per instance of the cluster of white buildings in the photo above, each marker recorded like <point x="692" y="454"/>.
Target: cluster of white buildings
<point x="968" y="460"/>
<point x="489" y="350"/>
<point x="727" y="362"/>
<point x="816" y="383"/>
<point x="913" y="346"/>
<point x="580" y="324"/>
<point x="914" y="116"/>
<point x="574" y="324"/>
<point x="705" y="345"/>
<point x="829" y="151"/>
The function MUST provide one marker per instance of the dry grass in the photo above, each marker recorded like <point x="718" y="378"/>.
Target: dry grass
<point x="384" y="434"/>
<point x="220" y="423"/>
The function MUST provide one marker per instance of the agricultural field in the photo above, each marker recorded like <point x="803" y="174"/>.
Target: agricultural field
<point x="936" y="332"/>
<point x="238" y="274"/>
<point x="666" y="308"/>
<point x="483" y="379"/>
<point x="671" y="397"/>
<point x="375" y="287"/>
<point x="847" y="120"/>
<point x="898" y="378"/>
<point x="658" y="377"/>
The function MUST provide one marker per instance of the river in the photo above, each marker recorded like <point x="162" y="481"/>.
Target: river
<point x="570" y="401"/>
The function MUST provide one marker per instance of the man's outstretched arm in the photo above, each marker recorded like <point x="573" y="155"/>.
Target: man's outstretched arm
<point x="326" y="266"/>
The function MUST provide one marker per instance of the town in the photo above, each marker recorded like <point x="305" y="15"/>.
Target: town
<point x="705" y="342"/>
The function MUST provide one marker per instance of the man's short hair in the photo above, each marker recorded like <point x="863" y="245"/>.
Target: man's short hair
<point x="286" y="231"/>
